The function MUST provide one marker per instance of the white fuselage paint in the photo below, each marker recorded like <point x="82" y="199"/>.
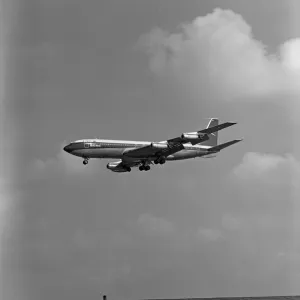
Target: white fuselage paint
<point x="99" y="148"/>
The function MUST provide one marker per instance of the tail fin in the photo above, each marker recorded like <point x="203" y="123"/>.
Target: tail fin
<point x="213" y="137"/>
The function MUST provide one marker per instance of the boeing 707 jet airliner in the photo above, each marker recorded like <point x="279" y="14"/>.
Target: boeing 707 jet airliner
<point x="202" y="143"/>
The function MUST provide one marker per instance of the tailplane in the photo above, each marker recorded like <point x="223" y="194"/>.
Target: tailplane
<point x="218" y="148"/>
<point x="213" y="137"/>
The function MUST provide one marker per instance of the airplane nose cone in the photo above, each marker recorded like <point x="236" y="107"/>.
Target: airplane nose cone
<point x="67" y="148"/>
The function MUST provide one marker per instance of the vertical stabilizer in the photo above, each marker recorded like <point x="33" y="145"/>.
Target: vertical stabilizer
<point x="213" y="137"/>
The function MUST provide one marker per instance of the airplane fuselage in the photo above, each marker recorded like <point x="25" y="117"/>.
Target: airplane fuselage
<point x="102" y="148"/>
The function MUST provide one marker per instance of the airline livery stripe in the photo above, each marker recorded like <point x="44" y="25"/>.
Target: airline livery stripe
<point x="98" y="145"/>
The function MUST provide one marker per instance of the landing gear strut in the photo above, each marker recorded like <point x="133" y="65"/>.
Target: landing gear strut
<point x="86" y="160"/>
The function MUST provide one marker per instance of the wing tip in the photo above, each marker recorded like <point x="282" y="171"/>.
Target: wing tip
<point x="238" y="140"/>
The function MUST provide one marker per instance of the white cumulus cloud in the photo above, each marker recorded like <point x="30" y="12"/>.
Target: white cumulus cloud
<point x="219" y="49"/>
<point x="269" y="168"/>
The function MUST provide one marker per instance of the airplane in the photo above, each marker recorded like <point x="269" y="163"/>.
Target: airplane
<point x="202" y="143"/>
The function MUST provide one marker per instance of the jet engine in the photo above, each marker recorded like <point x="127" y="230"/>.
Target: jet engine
<point x="159" y="146"/>
<point x="115" y="167"/>
<point x="194" y="136"/>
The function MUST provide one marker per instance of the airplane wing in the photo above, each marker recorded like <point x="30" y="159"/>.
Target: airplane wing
<point x="174" y="145"/>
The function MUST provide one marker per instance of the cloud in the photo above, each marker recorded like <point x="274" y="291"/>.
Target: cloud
<point x="259" y="238"/>
<point x="209" y="234"/>
<point x="219" y="50"/>
<point x="63" y="164"/>
<point x="9" y="197"/>
<point x="230" y="222"/>
<point x="154" y="225"/>
<point x="267" y="186"/>
<point x="179" y="238"/>
<point x="290" y="55"/>
<point x="253" y="222"/>
<point x="8" y="220"/>
<point x="268" y="168"/>
<point x="262" y="222"/>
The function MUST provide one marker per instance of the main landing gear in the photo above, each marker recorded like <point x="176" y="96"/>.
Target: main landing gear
<point x="144" y="168"/>
<point x="160" y="160"/>
<point x="86" y="160"/>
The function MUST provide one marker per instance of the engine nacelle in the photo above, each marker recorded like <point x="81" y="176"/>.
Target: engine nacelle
<point x="193" y="136"/>
<point x="114" y="166"/>
<point x="189" y="136"/>
<point x="159" y="146"/>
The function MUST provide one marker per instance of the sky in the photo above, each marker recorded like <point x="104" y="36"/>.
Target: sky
<point x="149" y="70"/>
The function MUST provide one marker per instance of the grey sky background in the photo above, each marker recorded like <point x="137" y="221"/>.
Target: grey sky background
<point x="150" y="70"/>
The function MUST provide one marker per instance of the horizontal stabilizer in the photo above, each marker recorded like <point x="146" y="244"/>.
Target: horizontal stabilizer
<point x="222" y="146"/>
<point x="216" y="128"/>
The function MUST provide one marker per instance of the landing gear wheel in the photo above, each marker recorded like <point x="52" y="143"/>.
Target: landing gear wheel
<point x="144" y="168"/>
<point x="128" y="169"/>
<point x="85" y="162"/>
<point x="162" y="161"/>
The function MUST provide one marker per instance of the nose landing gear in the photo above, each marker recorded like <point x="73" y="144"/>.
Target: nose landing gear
<point x="86" y="160"/>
